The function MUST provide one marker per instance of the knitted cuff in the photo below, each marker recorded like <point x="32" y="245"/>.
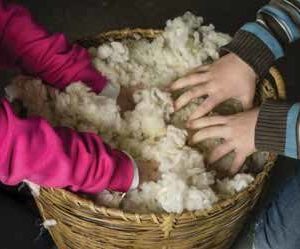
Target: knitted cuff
<point x="270" y="132"/>
<point x="251" y="50"/>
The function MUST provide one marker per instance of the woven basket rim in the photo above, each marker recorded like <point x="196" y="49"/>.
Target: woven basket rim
<point x="125" y="32"/>
<point x="133" y="216"/>
<point x="156" y="217"/>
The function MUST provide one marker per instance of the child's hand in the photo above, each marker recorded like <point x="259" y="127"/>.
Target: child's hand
<point x="125" y="98"/>
<point x="148" y="171"/>
<point x="229" y="77"/>
<point x="238" y="132"/>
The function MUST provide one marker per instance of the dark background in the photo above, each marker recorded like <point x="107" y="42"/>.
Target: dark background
<point x="82" y="18"/>
<point x="77" y="18"/>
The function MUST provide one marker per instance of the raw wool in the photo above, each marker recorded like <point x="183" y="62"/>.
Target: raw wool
<point x="180" y="165"/>
<point x="183" y="172"/>
<point x="111" y="199"/>
<point x="184" y="44"/>
<point x="78" y="107"/>
<point x="152" y="111"/>
<point x="197" y="199"/>
<point x="172" y="153"/>
<point x="143" y="203"/>
<point x="150" y="131"/>
<point x="231" y="186"/>
<point x="32" y="94"/>
<point x="49" y="223"/>
<point x="169" y="194"/>
<point x="34" y="188"/>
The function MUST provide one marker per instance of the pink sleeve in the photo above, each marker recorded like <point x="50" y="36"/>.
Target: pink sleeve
<point x="58" y="157"/>
<point x="27" y="45"/>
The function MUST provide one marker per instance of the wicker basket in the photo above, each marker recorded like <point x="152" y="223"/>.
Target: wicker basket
<point x="82" y="225"/>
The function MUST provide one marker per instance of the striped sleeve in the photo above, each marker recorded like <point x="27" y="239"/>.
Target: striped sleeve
<point x="277" y="128"/>
<point x="262" y="42"/>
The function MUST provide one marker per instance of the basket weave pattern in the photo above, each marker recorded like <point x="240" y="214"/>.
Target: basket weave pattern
<point x="83" y="225"/>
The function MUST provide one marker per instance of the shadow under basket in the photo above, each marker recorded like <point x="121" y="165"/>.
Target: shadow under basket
<point x="83" y="225"/>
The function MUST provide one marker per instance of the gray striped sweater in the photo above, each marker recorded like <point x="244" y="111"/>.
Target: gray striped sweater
<point x="260" y="44"/>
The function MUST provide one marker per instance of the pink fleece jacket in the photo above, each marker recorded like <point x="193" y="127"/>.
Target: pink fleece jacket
<point x="30" y="149"/>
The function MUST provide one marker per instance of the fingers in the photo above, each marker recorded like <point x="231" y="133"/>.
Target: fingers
<point x="220" y="151"/>
<point x="206" y="121"/>
<point x="200" y="69"/>
<point x="207" y="106"/>
<point x="237" y="163"/>
<point x="210" y="132"/>
<point x="185" y="98"/>
<point x="190" y="80"/>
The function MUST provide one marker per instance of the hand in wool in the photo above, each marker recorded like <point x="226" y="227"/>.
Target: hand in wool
<point x="229" y="77"/>
<point x="237" y="130"/>
<point x="125" y="98"/>
<point x="148" y="171"/>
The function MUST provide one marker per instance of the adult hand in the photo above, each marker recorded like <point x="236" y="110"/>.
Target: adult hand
<point x="228" y="77"/>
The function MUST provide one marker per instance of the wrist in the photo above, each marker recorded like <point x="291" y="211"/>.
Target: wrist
<point x="136" y="178"/>
<point x="247" y="70"/>
<point x="91" y="78"/>
<point x="252" y="51"/>
<point x="123" y="176"/>
<point x="277" y="128"/>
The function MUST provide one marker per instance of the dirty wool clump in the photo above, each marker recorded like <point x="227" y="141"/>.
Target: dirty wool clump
<point x="151" y="131"/>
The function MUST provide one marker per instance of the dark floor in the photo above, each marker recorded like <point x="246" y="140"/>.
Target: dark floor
<point x="83" y="18"/>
